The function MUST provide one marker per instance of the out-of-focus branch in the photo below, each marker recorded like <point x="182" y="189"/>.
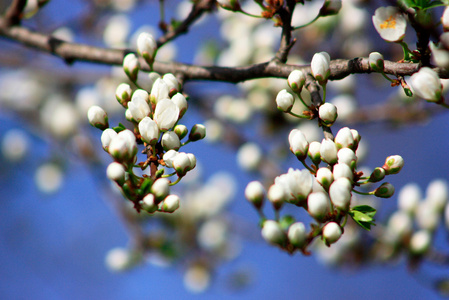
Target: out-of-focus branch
<point x="72" y="52"/>
<point x="285" y="13"/>
<point x="12" y="14"/>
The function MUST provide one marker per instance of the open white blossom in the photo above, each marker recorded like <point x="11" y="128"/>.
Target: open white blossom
<point x="390" y="23"/>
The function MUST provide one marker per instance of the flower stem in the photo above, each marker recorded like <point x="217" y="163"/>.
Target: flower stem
<point x="307" y="24"/>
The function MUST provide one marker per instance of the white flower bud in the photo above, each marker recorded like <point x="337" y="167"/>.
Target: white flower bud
<point x="342" y="171"/>
<point x="116" y="172"/>
<point x="181" y="103"/>
<point x="420" y="242"/>
<point x="181" y="164"/>
<point x="131" y="66"/>
<point x="437" y="194"/>
<point x="249" y="156"/>
<point x="340" y="193"/>
<point x="128" y="115"/>
<point x="198" y="132"/>
<point x="347" y="156"/>
<point x="170" y="140"/>
<point x="192" y="159"/>
<point x="325" y="177"/>
<point x="98" y="117"/>
<point x="426" y="216"/>
<point x="169" y="156"/>
<point x="297" y="234"/>
<point x="321" y="67"/>
<point x="273" y="233"/>
<point x="328" y="151"/>
<point x="147" y="47"/>
<point x="377" y="175"/>
<point x="149" y="131"/>
<point x="181" y="131"/>
<point x="232" y="5"/>
<point x="298" y="144"/>
<point x="328" y="113"/>
<point x="357" y="138"/>
<point x="318" y="205"/>
<point x="160" y="189"/>
<point x="123" y="94"/>
<point x="376" y="61"/>
<point x="296" y="80"/>
<point x="118" y="259"/>
<point x="390" y="23"/>
<point x="332" y="232"/>
<point x="399" y="226"/>
<point x="344" y="138"/>
<point x="297" y="185"/>
<point x="276" y="195"/>
<point x="285" y="101"/>
<point x="439" y="54"/>
<point x="255" y="193"/>
<point x="149" y="203"/>
<point x="170" y="204"/>
<point x="106" y="138"/>
<point x="166" y="114"/>
<point x="138" y="106"/>
<point x="159" y="91"/>
<point x="393" y="164"/>
<point x="445" y="19"/>
<point x="409" y="197"/>
<point x="123" y="147"/>
<point x="427" y="85"/>
<point x="314" y="152"/>
<point x="386" y="190"/>
<point x="172" y="83"/>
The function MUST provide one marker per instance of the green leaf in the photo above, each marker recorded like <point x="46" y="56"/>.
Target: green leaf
<point x="358" y="216"/>
<point x="363" y="215"/>
<point x="286" y="221"/>
<point x="366" y="209"/>
<point x="119" y="128"/>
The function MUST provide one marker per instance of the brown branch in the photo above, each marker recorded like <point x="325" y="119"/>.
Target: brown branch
<point x="13" y="13"/>
<point x="72" y="52"/>
<point x="285" y="13"/>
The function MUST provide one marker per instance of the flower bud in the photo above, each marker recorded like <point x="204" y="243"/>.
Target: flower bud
<point x="159" y="91"/>
<point x="170" y="204"/>
<point x="181" y="131"/>
<point x="276" y="195"/>
<point x="106" y="137"/>
<point x="98" y="117"/>
<point x="160" y="189"/>
<point x="342" y="171"/>
<point x="116" y="172"/>
<point x="347" y="156"/>
<point x="148" y="203"/>
<point x="147" y="47"/>
<point x="328" y="114"/>
<point x="249" y="156"/>
<point x="318" y="205"/>
<point x="273" y="233"/>
<point x="166" y="114"/>
<point x="297" y="234"/>
<point x="172" y="83"/>
<point x="118" y="259"/>
<point x="131" y="66"/>
<point x="325" y="177"/>
<point x="377" y="175"/>
<point x="426" y="216"/>
<point x="332" y="232"/>
<point x="399" y="226"/>
<point x="123" y="147"/>
<point x="298" y="144"/>
<point x="314" y="152"/>
<point x="409" y="197"/>
<point x="330" y="8"/>
<point x="437" y="194"/>
<point x="232" y="5"/>
<point x="328" y="151"/>
<point x="340" y="193"/>
<point x="296" y="80"/>
<point x="169" y="156"/>
<point x="198" y="132"/>
<point x="376" y="61"/>
<point x="170" y="140"/>
<point x="181" y="103"/>
<point x="255" y="193"/>
<point x="149" y="131"/>
<point x="285" y="101"/>
<point x="321" y="67"/>
<point x="192" y="159"/>
<point x="357" y="138"/>
<point x="427" y="85"/>
<point x="123" y="94"/>
<point x="393" y="164"/>
<point x="344" y="138"/>
<point x="138" y="106"/>
<point x="386" y="190"/>
<point x="445" y="19"/>
<point x="181" y="164"/>
<point x="420" y="242"/>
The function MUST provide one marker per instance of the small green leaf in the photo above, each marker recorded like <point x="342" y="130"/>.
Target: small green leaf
<point x="358" y="216"/>
<point x="119" y="128"/>
<point x="286" y="221"/>
<point x="366" y="209"/>
<point x="363" y="215"/>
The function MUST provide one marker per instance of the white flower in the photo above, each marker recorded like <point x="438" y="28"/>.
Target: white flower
<point x="420" y="242"/>
<point x="426" y="84"/>
<point x="409" y="197"/>
<point x="131" y="66"/>
<point x="106" y="137"/>
<point x="296" y="80"/>
<point x="332" y="232"/>
<point x="198" y="132"/>
<point x="399" y="226"/>
<point x="146" y="47"/>
<point x="297" y="234"/>
<point x="172" y="83"/>
<point x="159" y="91"/>
<point x="273" y="233"/>
<point x="170" y="140"/>
<point x="445" y="19"/>
<point x="318" y="205"/>
<point x="169" y="156"/>
<point x="160" y="189"/>
<point x="390" y="23"/>
<point x="123" y="94"/>
<point x="393" y="164"/>
<point x="181" y="103"/>
<point x="98" y="117"/>
<point x="344" y="138"/>
<point x="138" y="106"/>
<point x="297" y="185"/>
<point x="118" y="259"/>
<point x="116" y="172"/>
<point x="170" y="204"/>
<point x="426" y="216"/>
<point x="321" y="67"/>
<point x="166" y="114"/>
<point x="249" y="156"/>
<point x="340" y="193"/>
<point x="328" y="151"/>
<point x="284" y="101"/>
<point x="123" y="147"/>
<point x="182" y="164"/>
<point x="149" y="131"/>
<point x="440" y="55"/>
<point x="328" y="113"/>
<point x="255" y="193"/>
<point x="298" y="144"/>
<point x="437" y="194"/>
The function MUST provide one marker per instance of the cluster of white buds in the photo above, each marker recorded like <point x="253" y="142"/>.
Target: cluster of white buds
<point x="154" y="115"/>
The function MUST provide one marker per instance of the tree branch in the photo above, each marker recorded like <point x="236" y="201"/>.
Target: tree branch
<point x="12" y="14"/>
